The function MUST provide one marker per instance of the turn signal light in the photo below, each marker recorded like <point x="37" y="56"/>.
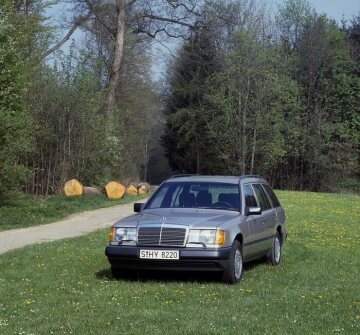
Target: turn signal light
<point x="112" y="234"/>
<point x="220" y="236"/>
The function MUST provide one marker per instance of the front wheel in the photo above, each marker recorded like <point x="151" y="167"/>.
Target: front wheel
<point x="274" y="255"/>
<point x="233" y="272"/>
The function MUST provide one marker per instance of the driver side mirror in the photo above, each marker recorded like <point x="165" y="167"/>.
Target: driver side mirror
<point x="138" y="206"/>
<point x="253" y="210"/>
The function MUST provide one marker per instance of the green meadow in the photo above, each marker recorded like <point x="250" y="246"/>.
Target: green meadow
<point x="65" y="287"/>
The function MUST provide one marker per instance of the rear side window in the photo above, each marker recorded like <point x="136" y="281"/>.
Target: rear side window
<point x="262" y="197"/>
<point x="250" y="200"/>
<point x="271" y="195"/>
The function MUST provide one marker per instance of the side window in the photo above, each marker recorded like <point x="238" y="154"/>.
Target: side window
<point x="250" y="200"/>
<point x="271" y="195"/>
<point x="262" y="197"/>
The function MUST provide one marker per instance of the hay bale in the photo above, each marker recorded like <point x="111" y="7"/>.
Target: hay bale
<point x="73" y="188"/>
<point x="115" y="190"/>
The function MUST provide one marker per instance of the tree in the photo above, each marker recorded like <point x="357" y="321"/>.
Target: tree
<point x="291" y="19"/>
<point x="117" y="17"/>
<point x="15" y="123"/>
<point x="246" y="105"/>
<point x="354" y="37"/>
<point x="186" y="143"/>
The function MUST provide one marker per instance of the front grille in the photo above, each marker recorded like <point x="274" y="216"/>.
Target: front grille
<point x="161" y="236"/>
<point x="149" y="236"/>
<point x="172" y="236"/>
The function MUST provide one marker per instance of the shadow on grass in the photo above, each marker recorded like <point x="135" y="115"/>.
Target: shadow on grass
<point x="250" y="266"/>
<point x="161" y="276"/>
<point x="171" y="276"/>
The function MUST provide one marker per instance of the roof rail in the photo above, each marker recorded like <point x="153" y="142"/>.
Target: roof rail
<point x="182" y="175"/>
<point x="249" y="176"/>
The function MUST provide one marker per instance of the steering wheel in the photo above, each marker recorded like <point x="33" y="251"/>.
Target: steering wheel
<point x="222" y="204"/>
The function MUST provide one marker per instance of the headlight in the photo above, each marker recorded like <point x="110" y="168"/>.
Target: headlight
<point x="125" y="234"/>
<point x="206" y="236"/>
<point x="202" y="236"/>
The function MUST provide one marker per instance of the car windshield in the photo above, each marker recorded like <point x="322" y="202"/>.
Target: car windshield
<point x="196" y="195"/>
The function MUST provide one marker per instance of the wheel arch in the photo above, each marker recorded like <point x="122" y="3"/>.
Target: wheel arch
<point x="239" y="237"/>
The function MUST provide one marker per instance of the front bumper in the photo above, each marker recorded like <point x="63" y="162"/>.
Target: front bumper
<point x="190" y="259"/>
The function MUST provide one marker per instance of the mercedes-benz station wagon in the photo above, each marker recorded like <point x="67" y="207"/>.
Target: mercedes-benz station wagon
<point x="200" y="223"/>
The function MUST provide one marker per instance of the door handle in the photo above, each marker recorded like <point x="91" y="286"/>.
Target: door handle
<point x="262" y="221"/>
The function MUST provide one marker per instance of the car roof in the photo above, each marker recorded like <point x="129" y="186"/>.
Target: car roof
<point x="216" y="179"/>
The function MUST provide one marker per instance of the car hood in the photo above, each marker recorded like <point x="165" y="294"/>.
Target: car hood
<point x="188" y="217"/>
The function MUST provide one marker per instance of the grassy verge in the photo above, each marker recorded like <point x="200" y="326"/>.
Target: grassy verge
<point x="25" y="211"/>
<point x="65" y="287"/>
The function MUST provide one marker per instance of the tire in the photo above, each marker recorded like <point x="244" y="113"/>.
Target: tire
<point x="234" y="270"/>
<point x="274" y="255"/>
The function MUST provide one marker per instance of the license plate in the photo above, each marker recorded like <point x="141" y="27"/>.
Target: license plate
<point x="159" y="254"/>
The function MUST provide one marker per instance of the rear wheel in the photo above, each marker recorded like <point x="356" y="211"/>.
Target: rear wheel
<point x="274" y="255"/>
<point x="233" y="272"/>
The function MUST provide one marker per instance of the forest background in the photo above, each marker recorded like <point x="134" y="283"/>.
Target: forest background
<point x="248" y="89"/>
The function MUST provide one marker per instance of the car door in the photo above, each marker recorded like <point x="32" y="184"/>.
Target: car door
<point x="254" y="243"/>
<point x="269" y="216"/>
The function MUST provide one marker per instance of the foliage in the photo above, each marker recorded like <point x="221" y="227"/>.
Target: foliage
<point x="138" y="114"/>
<point x="74" y="136"/>
<point x="15" y="123"/>
<point x="72" y="289"/>
<point x="187" y="145"/>
<point x="284" y="103"/>
<point x="65" y="101"/>
<point x="246" y="105"/>
<point x="327" y="76"/>
<point x="247" y="92"/>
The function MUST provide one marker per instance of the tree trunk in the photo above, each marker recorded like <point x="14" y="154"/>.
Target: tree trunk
<point x="115" y="190"/>
<point x="253" y="151"/>
<point x="91" y="191"/>
<point x="73" y="187"/>
<point x="146" y="154"/>
<point x="143" y="188"/>
<point x="118" y="56"/>
<point x="244" y="128"/>
<point x="197" y="155"/>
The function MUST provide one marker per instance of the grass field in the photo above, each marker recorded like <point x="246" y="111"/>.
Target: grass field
<point x="65" y="287"/>
<point x="25" y="211"/>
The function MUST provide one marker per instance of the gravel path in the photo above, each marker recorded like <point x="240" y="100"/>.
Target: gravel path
<point x="75" y="225"/>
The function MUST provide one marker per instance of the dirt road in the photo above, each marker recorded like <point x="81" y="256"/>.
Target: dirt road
<point x="75" y="225"/>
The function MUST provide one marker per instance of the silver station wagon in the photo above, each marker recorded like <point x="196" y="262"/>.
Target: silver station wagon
<point x="200" y="223"/>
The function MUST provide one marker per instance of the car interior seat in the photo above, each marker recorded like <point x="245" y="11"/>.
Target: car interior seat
<point x="204" y="199"/>
<point x="187" y="200"/>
